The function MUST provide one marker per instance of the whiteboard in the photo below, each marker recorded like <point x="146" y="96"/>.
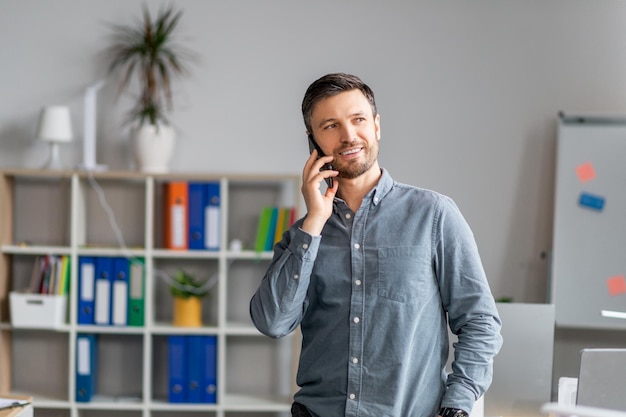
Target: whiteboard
<point x="589" y="240"/>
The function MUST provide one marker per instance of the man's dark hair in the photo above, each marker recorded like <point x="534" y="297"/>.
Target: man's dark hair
<point x="330" y="85"/>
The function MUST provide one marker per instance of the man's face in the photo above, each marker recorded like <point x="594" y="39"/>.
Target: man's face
<point x="344" y="126"/>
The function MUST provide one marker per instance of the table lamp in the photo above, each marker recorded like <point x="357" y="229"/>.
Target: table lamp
<point x="54" y="127"/>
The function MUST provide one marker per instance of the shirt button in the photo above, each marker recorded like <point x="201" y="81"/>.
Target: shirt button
<point x="356" y="246"/>
<point x="356" y="319"/>
<point x="305" y="246"/>
<point x="357" y="282"/>
<point x="348" y="215"/>
<point x="375" y="199"/>
<point x="296" y="276"/>
<point x="352" y="396"/>
<point x="355" y="360"/>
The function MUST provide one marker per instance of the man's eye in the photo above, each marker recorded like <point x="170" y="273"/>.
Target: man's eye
<point x="327" y="127"/>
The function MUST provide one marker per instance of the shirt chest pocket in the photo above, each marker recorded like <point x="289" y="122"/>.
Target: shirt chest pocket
<point x="404" y="273"/>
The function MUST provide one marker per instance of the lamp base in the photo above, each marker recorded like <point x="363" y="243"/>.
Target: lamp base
<point x="94" y="168"/>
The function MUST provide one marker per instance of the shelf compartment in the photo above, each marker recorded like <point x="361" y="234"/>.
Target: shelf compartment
<point x="46" y="352"/>
<point x="160" y="379"/>
<point x="119" y="372"/>
<point x="244" y="277"/>
<point x="160" y="196"/>
<point x="41" y="211"/>
<point x="110" y="210"/>
<point x="41" y="311"/>
<point x="164" y="271"/>
<point x="258" y="373"/>
<point x="245" y="201"/>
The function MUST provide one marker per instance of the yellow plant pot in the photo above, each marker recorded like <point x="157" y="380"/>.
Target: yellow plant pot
<point x="187" y="312"/>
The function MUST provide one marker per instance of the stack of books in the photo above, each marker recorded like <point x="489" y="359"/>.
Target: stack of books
<point x="273" y="222"/>
<point x="51" y="275"/>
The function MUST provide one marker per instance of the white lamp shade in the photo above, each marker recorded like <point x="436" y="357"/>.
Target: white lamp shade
<point x="55" y="124"/>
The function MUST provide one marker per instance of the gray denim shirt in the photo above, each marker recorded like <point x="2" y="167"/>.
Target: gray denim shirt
<point x="372" y="295"/>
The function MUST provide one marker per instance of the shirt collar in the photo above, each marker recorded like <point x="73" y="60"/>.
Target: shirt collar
<point x="376" y="194"/>
<point x="385" y="183"/>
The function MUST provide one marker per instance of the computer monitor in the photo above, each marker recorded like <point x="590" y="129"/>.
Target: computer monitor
<point x="601" y="378"/>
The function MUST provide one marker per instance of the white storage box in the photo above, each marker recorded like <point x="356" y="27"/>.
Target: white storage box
<point x="37" y="311"/>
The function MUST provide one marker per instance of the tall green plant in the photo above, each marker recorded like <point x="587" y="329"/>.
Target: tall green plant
<point x="148" y="50"/>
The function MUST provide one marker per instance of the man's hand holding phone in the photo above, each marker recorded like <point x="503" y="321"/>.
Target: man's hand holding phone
<point x="319" y="206"/>
<point x="313" y="146"/>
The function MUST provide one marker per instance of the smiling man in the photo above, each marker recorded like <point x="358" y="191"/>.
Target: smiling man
<point x="374" y="274"/>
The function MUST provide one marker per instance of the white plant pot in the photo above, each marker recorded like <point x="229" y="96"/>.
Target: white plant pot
<point x="153" y="147"/>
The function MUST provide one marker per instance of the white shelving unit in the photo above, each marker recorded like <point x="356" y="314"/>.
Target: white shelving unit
<point x="52" y="212"/>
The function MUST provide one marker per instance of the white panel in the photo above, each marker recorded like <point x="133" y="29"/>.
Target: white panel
<point x="522" y="371"/>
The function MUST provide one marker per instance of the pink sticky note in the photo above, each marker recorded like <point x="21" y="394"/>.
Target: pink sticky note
<point x="616" y="284"/>
<point x="585" y="172"/>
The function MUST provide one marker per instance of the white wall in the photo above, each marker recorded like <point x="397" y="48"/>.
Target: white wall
<point x="468" y="93"/>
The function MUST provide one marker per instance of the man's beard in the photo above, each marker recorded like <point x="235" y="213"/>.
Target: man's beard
<point x="356" y="168"/>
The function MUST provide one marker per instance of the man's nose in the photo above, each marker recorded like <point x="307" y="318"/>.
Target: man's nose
<point x="348" y="133"/>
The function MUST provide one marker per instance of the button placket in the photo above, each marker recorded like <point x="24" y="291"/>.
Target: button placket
<point x="355" y="367"/>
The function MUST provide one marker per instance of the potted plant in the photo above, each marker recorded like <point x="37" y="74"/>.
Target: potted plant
<point x="146" y="50"/>
<point x="188" y="293"/>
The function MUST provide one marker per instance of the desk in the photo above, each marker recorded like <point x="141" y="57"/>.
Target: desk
<point x="26" y="411"/>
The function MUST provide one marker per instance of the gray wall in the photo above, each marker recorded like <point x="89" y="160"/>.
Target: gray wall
<point x="468" y="93"/>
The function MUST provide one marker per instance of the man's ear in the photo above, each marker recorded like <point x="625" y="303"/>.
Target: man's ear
<point x="377" y="126"/>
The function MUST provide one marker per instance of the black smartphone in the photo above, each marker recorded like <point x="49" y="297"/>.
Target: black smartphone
<point x="314" y="145"/>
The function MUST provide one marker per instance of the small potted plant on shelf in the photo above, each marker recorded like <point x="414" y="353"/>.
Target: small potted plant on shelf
<point x="147" y="50"/>
<point x="188" y="293"/>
